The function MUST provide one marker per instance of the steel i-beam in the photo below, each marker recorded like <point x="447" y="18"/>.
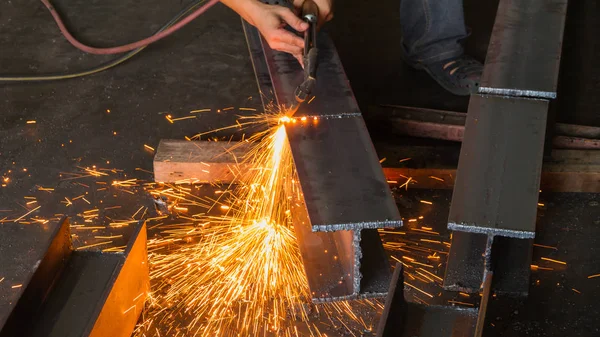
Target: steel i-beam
<point x="342" y="193"/>
<point x="494" y="204"/>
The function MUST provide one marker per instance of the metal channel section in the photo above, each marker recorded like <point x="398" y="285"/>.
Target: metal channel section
<point x="342" y="195"/>
<point x="524" y="52"/>
<point x="95" y="294"/>
<point x="401" y="318"/>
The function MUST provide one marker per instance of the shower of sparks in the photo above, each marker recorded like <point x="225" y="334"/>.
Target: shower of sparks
<point x="237" y="273"/>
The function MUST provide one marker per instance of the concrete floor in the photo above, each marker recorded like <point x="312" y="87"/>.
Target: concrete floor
<point x="206" y="65"/>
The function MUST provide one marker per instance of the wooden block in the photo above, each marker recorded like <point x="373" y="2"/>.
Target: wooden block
<point x="181" y="161"/>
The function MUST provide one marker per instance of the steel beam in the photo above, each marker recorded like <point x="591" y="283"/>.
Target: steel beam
<point x="496" y="193"/>
<point x="525" y="47"/>
<point x="341" y="195"/>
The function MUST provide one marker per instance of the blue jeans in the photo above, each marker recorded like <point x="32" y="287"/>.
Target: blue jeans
<point x="432" y="30"/>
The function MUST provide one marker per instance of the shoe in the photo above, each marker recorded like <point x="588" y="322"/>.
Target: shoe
<point x="459" y="75"/>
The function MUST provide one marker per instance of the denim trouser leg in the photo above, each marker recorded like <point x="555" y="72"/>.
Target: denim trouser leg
<point x="432" y="29"/>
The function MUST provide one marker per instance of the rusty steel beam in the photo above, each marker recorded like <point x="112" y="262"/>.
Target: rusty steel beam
<point x="342" y="195"/>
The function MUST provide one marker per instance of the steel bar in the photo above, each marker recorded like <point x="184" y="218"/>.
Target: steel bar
<point x="525" y="48"/>
<point x="448" y="125"/>
<point x="466" y="262"/>
<point x="487" y="287"/>
<point x="498" y="178"/>
<point x="444" y="117"/>
<point x="392" y="319"/>
<point x="341" y="191"/>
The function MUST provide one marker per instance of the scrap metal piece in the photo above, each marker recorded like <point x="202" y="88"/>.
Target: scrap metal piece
<point x="466" y="262"/>
<point x="498" y="178"/>
<point x="97" y="294"/>
<point x="31" y="258"/>
<point x="524" y="52"/>
<point x="401" y="318"/>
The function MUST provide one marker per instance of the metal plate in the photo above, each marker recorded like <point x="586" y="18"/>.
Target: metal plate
<point x="342" y="181"/>
<point x="498" y="178"/>
<point x="524" y="52"/>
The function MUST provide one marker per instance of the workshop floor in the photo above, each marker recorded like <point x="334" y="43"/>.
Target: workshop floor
<point x="106" y="119"/>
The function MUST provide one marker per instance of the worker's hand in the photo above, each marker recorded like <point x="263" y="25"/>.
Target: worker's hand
<point x="325" y="9"/>
<point x="271" y="21"/>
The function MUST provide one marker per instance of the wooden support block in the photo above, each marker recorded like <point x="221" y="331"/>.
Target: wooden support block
<point x="181" y="161"/>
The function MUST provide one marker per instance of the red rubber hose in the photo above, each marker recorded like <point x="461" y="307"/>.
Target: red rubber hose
<point x="130" y="46"/>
